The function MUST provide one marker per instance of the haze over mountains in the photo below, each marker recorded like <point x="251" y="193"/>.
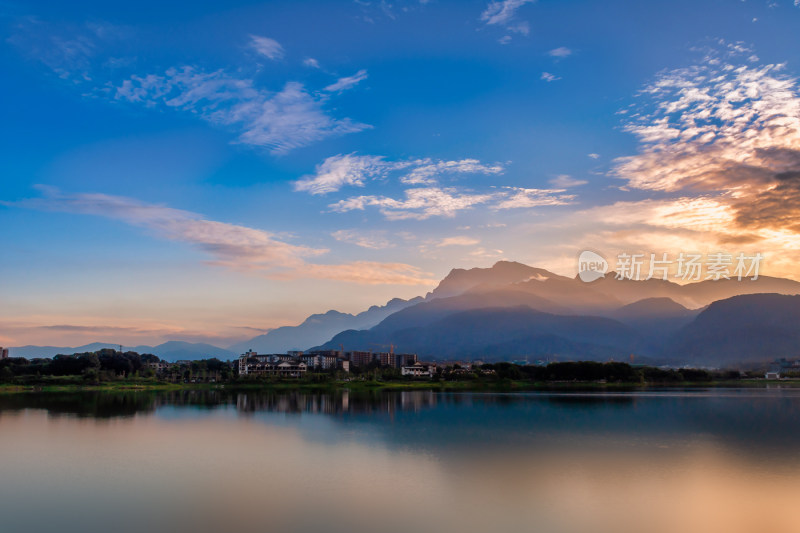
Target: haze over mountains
<point x="529" y="313"/>
<point x="318" y="328"/>
<point x="514" y="311"/>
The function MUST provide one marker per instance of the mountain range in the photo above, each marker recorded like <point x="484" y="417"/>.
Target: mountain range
<point x="515" y="311"/>
<point x="169" y="351"/>
<point x="529" y="313"/>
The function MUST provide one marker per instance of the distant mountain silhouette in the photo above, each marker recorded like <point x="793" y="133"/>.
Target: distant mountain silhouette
<point x="753" y="328"/>
<point x="317" y="329"/>
<point x="739" y="331"/>
<point x="501" y="273"/>
<point x="503" y="333"/>
<point x="650" y="319"/>
<point x="656" y="318"/>
<point x="169" y="351"/>
<point x="177" y="350"/>
<point x="512" y="310"/>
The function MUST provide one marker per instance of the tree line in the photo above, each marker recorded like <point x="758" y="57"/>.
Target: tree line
<point x="103" y="365"/>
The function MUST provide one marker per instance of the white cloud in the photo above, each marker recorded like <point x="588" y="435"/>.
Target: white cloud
<point x="426" y="202"/>
<point x="266" y="47"/>
<point x="68" y="50"/>
<point x="341" y="170"/>
<point x="505" y="39"/>
<point x="593" y="156"/>
<point x="725" y="136"/>
<point x="342" y="84"/>
<point x="502" y="12"/>
<point x="546" y="76"/>
<point x="458" y="241"/>
<point x="281" y="121"/>
<point x="715" y="127"/>
<point x="565" y="181"/>
<point x="277" y="120"/>
<point x="311" y="62"/>
<point x="521" y="197"/>
<point x="355" y="170"/>
<point x="427" y="171"/>
<point x="560" y="52"/>
<point x="374" y="240"/>
<point x="419" y="204"/>
<point x="231" y="246"/>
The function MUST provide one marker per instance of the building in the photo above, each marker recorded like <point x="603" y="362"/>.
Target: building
<point x="405" y="359"/>
<point x="418" y="370"/>
<point x="324" y="359"/>
<point x="3" y="353"/>
<point x="772" y="375"/>
<point x="160" y="367"/>
<point x="386" y="359"/>
<point x="360" y="359"/>
<point x="262" y="366"/>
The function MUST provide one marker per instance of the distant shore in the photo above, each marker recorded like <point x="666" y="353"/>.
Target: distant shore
<point x="144" y="385"/>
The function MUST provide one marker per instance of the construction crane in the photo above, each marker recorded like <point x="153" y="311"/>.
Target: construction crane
<point x="390" y="346"/>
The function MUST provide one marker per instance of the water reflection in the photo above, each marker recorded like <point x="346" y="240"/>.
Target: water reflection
<point x="671" y="461"/>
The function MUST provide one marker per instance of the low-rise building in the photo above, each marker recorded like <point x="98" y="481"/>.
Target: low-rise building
<point x="282" y="369"/>
<point x="3" y="353"/>
<point x="418" y="370"/>
<point x="160" y="367"/>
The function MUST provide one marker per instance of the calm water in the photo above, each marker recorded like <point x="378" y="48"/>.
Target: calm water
<point x="669" y="461"/>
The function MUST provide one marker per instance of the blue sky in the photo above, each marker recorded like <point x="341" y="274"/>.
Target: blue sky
<point x="207" y="170"/>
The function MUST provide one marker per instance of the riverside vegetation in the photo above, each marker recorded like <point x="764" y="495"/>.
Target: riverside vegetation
<point x="111" y="370"/>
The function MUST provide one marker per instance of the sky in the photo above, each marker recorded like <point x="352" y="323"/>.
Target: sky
<point x="206" y="171"/>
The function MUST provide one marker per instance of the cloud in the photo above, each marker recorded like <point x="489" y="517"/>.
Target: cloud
<point x="546" y="76"/>
<point x="68" y="50"/>
<point x="374" y="240"/>
<point x="419" y="204"/>
<point x="311" y="62"/>
<point x="560" y="52"/>
<point x="521" y="197"/>
<point x="732" y="131"/>
<point x="355" y="170"/>
<point x="458" y="241"/>
<point x="427" y="171"/>
<point x="426" y="202"/>
<point x="722" y="140"/>
<point x="232" y="246"/>
<point x="593" y="156"/>
<point x="565" y="181"/>
<point x="266" y="47"/>
<point x="341" y="170"/>
<point x="342" y="84"/>
<point x="503" y="13"/>
<point x="280" y="121"/>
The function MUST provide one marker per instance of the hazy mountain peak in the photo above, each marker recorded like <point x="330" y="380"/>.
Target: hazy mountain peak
<point x="460" y="280"/>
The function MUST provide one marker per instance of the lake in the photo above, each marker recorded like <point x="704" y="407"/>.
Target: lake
<point x="715" y="460"/>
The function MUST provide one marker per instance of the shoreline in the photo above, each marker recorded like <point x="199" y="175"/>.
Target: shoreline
<point x="368" y="386"/>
